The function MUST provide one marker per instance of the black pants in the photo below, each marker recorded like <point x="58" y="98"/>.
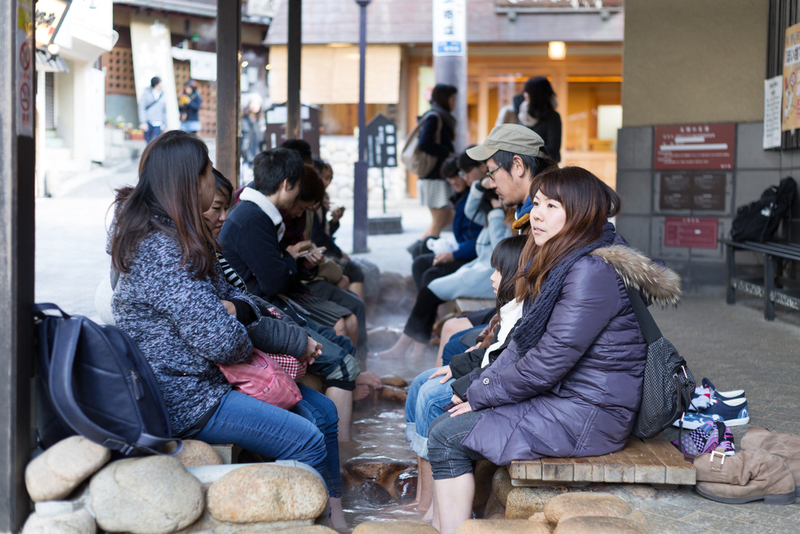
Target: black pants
<point x="424" y="271"/>
<point x="326" y="290"/>
<point x="420" y="324"/>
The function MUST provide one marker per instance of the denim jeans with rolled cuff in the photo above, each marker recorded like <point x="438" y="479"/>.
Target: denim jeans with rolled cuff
<point x="424" y="403"/>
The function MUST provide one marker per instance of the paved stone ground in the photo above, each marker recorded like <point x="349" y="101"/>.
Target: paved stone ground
<point x="731" y="345"/>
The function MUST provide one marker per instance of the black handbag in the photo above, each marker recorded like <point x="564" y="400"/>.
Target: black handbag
<point x="668" y="384"/>
<point x="94" y="381"/>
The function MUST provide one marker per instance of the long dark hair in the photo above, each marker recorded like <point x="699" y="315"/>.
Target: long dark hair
<point x="541" y="96"/>
<point x="505" y="258"/>
<point x="441" y="95"/>
<point x="166" y="199"/>
<point x="588" y="204"/>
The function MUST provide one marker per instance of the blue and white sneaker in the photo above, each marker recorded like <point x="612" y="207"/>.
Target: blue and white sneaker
<point x="705" y="394"/>
<point x="732" y="412"/>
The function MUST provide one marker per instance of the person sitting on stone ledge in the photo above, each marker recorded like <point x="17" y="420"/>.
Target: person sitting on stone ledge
<point x="569" y="383"/>
<point x="174" y="301"/>
<point x="250" y="241"/>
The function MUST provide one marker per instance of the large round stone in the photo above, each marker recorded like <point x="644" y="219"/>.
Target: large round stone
<point x="195" y="453"/>
<point x="265" y="492"/>
<point x="77" y="522"/>
<point x="57" y="471"/>
<point x="599" y="525"/>
<point x="524" y="502"/>
<point x="153" y="495"/>
<point x="580" y="504"/>
<point x="494" y="526"/>
<point x="395" y="527"/>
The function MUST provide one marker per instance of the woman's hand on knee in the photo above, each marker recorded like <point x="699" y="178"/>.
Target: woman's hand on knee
<point x="444" y="371"/>
<point x="459" y="409"/>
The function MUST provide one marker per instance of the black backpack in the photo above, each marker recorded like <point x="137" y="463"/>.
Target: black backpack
<point x="668" y="385"/>
<point x="759" y="220"/>
<point x="94" y="381"/>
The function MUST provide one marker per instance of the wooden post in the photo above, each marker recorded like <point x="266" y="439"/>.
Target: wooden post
<point x="229" y="46"/>
<point x="17" y="245"/>
<point x="294" y="54"/>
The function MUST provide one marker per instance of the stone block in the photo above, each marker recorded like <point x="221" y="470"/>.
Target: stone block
<point x="77" y="522"/>
<point x="600" y="525"/>
<point x="749" y="151"/>
<point x="584" y="504"/>
<point x="57" y="471"/>
<point x="151" y="495"/>
<point x="501" y="485"/>
<point x="635" y="148"/>
<point x="265" y="492"/>
<point x="393" y="394"/>
<point x="750" y="185"/>
<point x="393" y="380"/>
<point x="196" y="453"/>
<point x="208" y="525"/>
<point x="636" y="230"/>
<point x="522" y="503"/>
<point x="636" y="190"/>
<point x="503" y="526"/>
<point x="395" y="527"/>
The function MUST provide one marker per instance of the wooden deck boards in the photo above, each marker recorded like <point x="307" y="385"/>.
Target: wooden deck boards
<point x="652" y="461"/>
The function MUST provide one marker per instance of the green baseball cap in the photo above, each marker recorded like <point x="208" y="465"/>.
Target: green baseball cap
<point x="513" y="138"/>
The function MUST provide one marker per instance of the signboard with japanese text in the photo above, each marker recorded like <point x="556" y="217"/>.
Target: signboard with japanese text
<point x="692" y="191"/>
<point x="790" y="116"/>
<point x="381" y="143"/>
<point x="449" y="27"/>
<point x="558" y="4"/>
<point x="24" y="58"/>
<point x="49" y="15"/>
<point x="691" y="232"/>
<point x="773" y="91"/>
<point x="694" y="147"/>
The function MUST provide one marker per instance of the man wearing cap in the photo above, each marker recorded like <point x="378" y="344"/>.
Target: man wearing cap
<point x="514" y="154"/>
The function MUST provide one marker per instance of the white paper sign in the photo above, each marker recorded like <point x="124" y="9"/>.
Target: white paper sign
<point x="773" y="91"/>
<point x="449" y="27"/>
<point x="23" y="52"/>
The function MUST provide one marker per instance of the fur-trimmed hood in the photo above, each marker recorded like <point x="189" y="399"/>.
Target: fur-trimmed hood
<point x="654" y="280"/>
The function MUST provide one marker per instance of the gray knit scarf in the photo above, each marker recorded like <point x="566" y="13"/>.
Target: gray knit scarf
<point x="536" y="314"/>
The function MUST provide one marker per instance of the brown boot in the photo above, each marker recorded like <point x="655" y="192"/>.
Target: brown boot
<point x="787" y="446"/>
<point x="746" y="476"/>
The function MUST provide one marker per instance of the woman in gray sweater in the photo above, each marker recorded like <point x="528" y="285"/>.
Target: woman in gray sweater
<point x="175" y="303"/>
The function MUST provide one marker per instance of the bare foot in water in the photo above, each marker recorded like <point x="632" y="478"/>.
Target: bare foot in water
<point x="398" y="350"/>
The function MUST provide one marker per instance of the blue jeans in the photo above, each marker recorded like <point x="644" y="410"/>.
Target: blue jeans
<point x="455" y="346"/>
<point x="424" y="403"/>
<point x="281" y="434"/>
<point x="152" y="132"/>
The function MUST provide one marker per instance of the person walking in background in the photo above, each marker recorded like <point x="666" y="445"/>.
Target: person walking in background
<point x="252" y="130"/>
<point x="538" y="112"/>
<point x="436" y="138"/>
<point x="152" y="110"/>
<point x="189" y="104"/>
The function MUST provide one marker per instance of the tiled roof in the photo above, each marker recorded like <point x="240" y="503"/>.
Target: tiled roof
<point x="409" y="22"/>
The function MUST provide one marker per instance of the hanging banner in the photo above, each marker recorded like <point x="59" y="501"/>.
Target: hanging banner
<point x="23" y="56"/>
<point x="449" y="27"/>
<point x="773" y="91"/>
<point x="790" y="118"/>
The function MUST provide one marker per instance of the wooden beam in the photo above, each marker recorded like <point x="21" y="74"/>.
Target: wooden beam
<point x="294" y="53"/>
<point x="229" y="46"/>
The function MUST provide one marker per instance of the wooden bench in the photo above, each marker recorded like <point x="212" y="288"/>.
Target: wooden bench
<point x="652" y="461"/>
<point x="464" y="306"/>
<point x="773" y="287"/>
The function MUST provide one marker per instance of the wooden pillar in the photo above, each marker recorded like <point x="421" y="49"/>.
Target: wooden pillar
<point x="229" y="46"/>
<point x="484" y="126"/>
<point x="17" y="245"/>
<point x="561" y="88"/>
<point x="294" y="53"/>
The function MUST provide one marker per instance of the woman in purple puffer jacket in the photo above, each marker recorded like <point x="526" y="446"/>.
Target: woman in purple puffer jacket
<point x="570" y="382"/>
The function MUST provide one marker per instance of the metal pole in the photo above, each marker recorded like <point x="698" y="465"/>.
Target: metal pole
<point x="17" y="245"/>
<point x="383" y="187"/>
<point x="360" y="219"/>
<point x="294" y="53"/>
<point x="229" y="45"/>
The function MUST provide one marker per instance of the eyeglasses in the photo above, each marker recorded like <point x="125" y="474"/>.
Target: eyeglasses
<point x="490" y="174"/>
<point x="462" y="174"/>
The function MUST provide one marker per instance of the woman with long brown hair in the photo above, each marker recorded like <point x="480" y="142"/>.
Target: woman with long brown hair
<point x="173" y="300"/>
<point x="569" y="383"/>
